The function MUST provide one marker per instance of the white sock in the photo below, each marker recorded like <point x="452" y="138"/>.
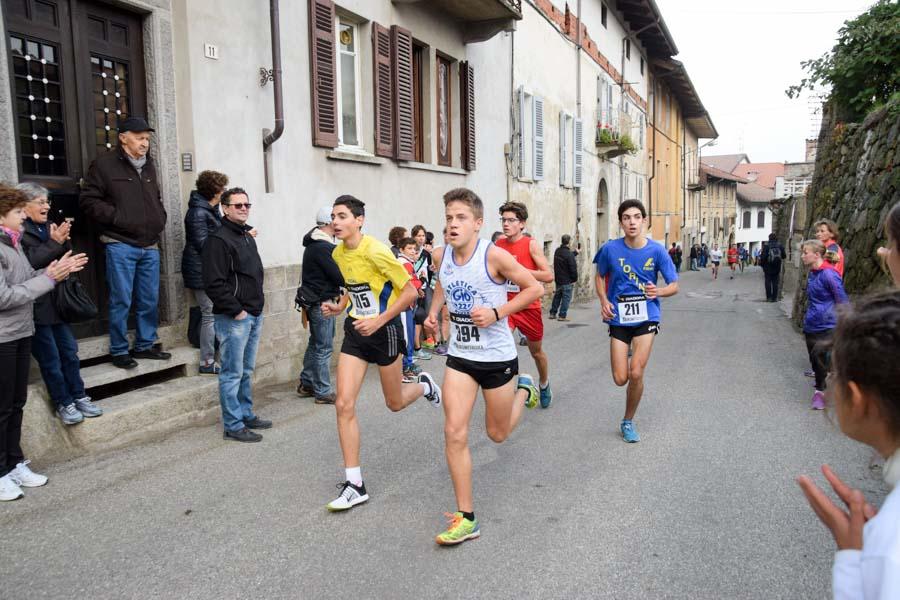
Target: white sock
<point x="354" y="475"/>
<point x="545" y="385"/>
<point x="426" y="388"/>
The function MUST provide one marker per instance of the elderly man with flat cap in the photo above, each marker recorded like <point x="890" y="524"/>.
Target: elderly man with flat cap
<point x="121" y="194"/>
<point x="320" y="281"/>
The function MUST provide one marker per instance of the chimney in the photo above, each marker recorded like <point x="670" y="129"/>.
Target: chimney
<point x="752" y="176"/>
<point x="811" y="150"/>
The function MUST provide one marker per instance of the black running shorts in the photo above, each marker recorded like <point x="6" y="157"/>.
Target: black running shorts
<point x="382" y="347"/>
<point x="488" y="375"/>
<point x="626" y="334"/>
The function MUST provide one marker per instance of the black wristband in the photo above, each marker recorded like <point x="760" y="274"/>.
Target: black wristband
<point x="496" y="314"/>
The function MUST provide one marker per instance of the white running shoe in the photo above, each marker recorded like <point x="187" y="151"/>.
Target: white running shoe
<point x="9" y="489"/>
<point x="25" y="477"/>
<point x="351" y="495"/>
<point x="435" y="396"/>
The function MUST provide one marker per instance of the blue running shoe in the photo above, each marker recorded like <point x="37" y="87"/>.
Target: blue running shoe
<point x="629" y="434"/>
<point x="546" y="396"/>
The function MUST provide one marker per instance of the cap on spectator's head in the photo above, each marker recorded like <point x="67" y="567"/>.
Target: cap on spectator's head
<point x="136" y="124"/>
<point x="323" y="217"/>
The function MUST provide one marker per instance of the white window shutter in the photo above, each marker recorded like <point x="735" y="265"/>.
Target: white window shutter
<point x="521" y="144"/>
<point x="537" y="106"/>
<point x="563" y="148"/>
<point x="601" y="101"/>
<point x="609" y="106"/>
<point x="578" y="145"/>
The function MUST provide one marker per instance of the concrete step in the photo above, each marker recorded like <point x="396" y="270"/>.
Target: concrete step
<point x="106" y="373"/>
<point x="93" y="347"/>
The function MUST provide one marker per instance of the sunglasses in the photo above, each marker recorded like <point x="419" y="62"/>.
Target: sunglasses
<point x="240" y="205"/>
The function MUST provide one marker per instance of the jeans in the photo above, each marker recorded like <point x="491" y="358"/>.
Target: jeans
<point x="407" y="317"/>
<point x="132" y="272"/>
<point x="15" y="361"/>
<point x="819" y="357"/>
<point x="207" y="328"/>
<point x="561" y="299"/>
<point x="317" y="359"/>
<point x="772" y="285"/>
<point x="694" y="265"/>
<point x="56" y="351"/>
<point x="238" y="342"/>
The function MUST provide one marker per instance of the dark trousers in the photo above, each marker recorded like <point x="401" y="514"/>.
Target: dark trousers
<point x="772" y="285"/>
<point x="561" y="299"/>
<point x="819" y="355"/>
<point x="15" y="357"/>
<point x="56" y="351"/>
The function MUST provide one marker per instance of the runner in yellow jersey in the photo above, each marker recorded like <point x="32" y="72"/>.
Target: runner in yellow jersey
<point x="378" y="289"/>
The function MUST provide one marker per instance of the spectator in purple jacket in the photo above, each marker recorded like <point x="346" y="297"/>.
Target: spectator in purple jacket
<point x="824" y="291"/>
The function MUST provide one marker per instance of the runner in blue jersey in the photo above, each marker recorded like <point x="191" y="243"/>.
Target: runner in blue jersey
<point x="627" y="273"/>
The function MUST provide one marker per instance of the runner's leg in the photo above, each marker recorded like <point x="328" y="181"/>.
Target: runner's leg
<point x="351" y="371"/>
<point x="540" y="361"/>
<point x="503" y="409"/>
<point x="618" y="360"/>
<point x="398" y="395"/>
<point x="642" y="344"/>
<point x="460" y="391"/>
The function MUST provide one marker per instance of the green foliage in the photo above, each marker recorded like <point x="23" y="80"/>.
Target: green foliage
<point x="626" y="142"/>
<point x="863" y="68"/>
<point x="605" y="136"/>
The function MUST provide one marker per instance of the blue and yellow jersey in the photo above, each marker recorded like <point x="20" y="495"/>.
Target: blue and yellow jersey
<point x="373" y="277"/>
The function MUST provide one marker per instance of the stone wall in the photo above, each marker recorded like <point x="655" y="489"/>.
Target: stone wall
<point x="855" y="184"/>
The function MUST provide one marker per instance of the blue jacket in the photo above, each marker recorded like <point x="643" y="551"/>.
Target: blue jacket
<point x="824" y="290"/>
<point x="202" y="220"/>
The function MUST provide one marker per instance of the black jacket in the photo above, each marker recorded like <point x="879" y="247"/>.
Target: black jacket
<point x="233" y="271"/>
<point x="127" y="206"/>
<point x="771" y="266"/>
<point x="201" y="221"/>
<point x="565" y="269"/>
<point x="320" y="277"/>
<point x="40" y="254"/>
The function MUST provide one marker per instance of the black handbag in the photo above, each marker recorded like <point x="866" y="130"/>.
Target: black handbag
<point x="194" y="317"/>
<point x="73" y="303"/>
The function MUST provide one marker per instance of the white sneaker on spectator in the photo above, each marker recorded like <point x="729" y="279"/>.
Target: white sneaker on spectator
<point x="25" y="477"/>
<point x="88" y="408"/>
<point x="9" y="490"/>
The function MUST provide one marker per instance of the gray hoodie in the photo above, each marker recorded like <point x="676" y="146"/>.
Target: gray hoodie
<point x="20" y="286"/>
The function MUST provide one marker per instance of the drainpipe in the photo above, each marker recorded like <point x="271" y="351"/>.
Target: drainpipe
<point x="270" y="137"/>
<point x="512" y="111"/>
<point x="683" y="176"/>
<point x="578" y="114"/>
<point x="653" y="160"/>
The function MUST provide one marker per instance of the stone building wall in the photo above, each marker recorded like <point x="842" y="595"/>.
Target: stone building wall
<point x="855" y="184"/>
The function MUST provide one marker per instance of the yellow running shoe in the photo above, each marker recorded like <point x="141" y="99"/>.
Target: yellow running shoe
<point x="460" y="530"/>
<point x="526" y="382"/>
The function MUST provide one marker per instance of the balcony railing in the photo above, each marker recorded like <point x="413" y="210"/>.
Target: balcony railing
<point x="473" y="11"/>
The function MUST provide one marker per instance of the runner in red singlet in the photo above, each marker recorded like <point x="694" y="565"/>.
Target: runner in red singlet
<point x="529" y="322"/>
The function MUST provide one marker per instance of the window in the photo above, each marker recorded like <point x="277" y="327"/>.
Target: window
<point x="531" y="136"/>
<point x="761" y="219"/>
<point x="348" y="78"/>
<point x="628" y="49"/>
<point x="419" y="54"/>
<point x="625" y="182"/>
<point x="603" y="15"/>
<point x="444" y="117"/>
<point x="745" y="220"/>
<point x="640" y="187"/>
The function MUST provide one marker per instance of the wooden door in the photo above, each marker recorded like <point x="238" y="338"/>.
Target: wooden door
<point x="76" y="69"/>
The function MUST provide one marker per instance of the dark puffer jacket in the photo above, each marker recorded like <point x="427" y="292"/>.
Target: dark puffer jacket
<point x="41" y="253"/>
<point x="201" y="221"/>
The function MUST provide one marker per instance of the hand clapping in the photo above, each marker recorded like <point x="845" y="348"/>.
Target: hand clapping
<point x="69" y="263"/>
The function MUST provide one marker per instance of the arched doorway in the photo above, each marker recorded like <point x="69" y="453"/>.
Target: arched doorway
<point x="601" y="233"/>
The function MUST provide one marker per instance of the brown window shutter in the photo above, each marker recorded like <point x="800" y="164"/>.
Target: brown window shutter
<point x="323" y="72"/>
<point x="384" y="107"/>
<point x="467" y="102"/>
<point x="402" y="59"/>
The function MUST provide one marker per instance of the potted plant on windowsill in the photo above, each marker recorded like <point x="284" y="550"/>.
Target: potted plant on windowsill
<point x="610" y="143"/>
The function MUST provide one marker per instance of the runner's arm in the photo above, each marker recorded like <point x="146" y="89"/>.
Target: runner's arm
<point x="437" y="302"/>
<point x="543" y="273"/>
<point x="408" y="295"/>
<point x="505" y="266"/>
<point x="330" y="309"/>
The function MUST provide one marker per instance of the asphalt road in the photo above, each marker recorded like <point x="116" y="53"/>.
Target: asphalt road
<point x="705" y="506"/>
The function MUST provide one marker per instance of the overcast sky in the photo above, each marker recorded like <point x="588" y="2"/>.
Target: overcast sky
<point x="741" y="57"/>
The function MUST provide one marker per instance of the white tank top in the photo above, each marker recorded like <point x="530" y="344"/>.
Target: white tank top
<point x="467" y="286"/>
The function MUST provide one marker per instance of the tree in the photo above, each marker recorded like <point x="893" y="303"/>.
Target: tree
<point x="863" y="68"/>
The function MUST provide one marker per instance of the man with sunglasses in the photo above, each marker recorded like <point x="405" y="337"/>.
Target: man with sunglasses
<point x="233" y="277"/>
